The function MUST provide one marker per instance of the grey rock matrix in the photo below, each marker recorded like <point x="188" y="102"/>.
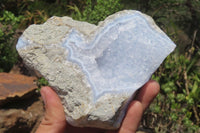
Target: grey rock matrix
<point x="96" y="70"/>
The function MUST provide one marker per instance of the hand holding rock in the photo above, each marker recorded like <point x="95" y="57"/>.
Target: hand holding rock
<point x="54" y="120"/>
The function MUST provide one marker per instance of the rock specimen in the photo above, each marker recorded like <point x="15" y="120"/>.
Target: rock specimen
<point x="96" y="69"/>
<point x="15" y="87"/>
<point x="21" y="108"/>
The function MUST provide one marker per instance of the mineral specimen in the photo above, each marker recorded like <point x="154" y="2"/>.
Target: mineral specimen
<point x="96" y="69"/>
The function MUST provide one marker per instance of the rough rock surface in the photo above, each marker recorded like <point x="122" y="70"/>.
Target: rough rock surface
<point x="96" y="69"/>
<point x="21" y="107"/>
<point x="15" y="86"/>
<point x="23" y="116"/>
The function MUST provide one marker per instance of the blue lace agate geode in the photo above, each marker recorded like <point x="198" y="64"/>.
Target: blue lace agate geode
<point x="96" y="69"/>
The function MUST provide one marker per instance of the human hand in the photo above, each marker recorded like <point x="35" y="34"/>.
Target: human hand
<point x="54" y="120"/>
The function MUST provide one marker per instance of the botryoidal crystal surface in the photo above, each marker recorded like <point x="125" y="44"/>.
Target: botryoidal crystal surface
<point x="96" y="70"/>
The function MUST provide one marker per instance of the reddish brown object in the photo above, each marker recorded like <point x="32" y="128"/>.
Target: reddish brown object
<point x="25" y="118"/>
<point x="15" y="86"/>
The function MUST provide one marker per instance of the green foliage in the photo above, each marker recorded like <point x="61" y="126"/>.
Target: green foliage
<point x="177" y="106"/>
<point x="96" y="11"/>
<point x="8" y="24"/>
<point x="42" y="82"/>
<point x="37" y="12"/>
<point x="35" y="17"/>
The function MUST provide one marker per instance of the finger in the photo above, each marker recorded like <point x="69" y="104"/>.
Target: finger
<point x="132" y="118"/>
<point x="135" y="111"/>
<point x="72" y="129"/>
<point x="147" y="93"/>
<point x="54" y="120"/>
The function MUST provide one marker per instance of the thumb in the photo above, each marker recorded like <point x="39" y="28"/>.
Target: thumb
<point x="54" y="120"/>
